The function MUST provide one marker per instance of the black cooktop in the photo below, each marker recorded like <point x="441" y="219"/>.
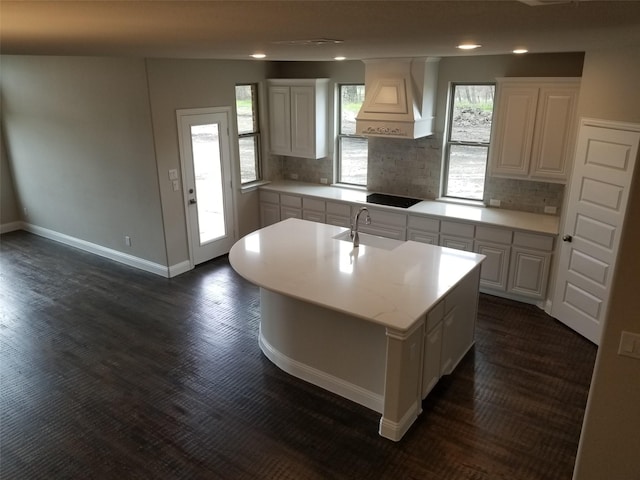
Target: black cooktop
<point x="392" y="200"/>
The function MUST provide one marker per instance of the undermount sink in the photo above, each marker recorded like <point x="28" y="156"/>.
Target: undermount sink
<point x="370" y="240"/>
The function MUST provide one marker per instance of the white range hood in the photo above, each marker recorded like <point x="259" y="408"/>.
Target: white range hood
<point x="400" y="98"/>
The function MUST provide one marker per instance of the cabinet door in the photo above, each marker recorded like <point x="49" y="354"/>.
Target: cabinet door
<point x="303" y="125"/>
<point x="510" y="149"/>
<point x="528" y="272"/>
<point x="432" y="355"/>
<point x="495" y="268"/>
<point x="269" y="214"/>
<point x="448" y="343"/>
<point x="555" y="132"/>
<point x="279" y="120"/>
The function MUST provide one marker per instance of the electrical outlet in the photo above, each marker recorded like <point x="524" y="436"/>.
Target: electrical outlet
<point x="550" y="210"/>
<point x="323" y="181"/>
<point x="127" y="240"/>
<point x="629" y="345"/>
<point x="494" y="203"/>
<point x="294" y="176"/>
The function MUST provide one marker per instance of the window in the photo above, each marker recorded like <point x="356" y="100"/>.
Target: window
<point x="352" y="148"/>
<point x="467" y="141"/>
<point x="248" y="133"/>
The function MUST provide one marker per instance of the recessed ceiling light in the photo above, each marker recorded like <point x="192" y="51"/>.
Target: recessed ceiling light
<point x="469" y="46"/>
<point x="339" y="58"/>
<point x="258" y="55"/>
<point x="520" y="50"/>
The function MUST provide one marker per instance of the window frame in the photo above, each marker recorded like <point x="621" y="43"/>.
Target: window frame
<point x="255" y="134"/>
<point x="448" y="142"/>
<point x="340" y="136"/>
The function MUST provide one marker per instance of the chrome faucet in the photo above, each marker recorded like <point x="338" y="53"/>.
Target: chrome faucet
<point x="354" y="226"/>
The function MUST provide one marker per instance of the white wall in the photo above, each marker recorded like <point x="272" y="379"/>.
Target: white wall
<point x="9" y="207"/>
<point x="177" y="84"/>
<point x="79" y="139"/>
<point x="610" y="442"/>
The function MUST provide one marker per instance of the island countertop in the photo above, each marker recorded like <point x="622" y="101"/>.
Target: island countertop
<point x="392" y="286"/>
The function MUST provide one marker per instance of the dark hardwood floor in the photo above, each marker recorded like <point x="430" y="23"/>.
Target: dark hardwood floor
<point x="108" y="372"/>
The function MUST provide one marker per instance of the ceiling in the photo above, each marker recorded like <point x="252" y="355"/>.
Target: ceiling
<point x="283" y="29"/>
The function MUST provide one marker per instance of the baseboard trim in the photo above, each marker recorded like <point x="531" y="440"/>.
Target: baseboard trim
<point x="96" y="249"/>
<point x="179" y="268"/>
<point x="396" y="430"/>
<point x="322" y="379"/>
<point x="11" y="227"/>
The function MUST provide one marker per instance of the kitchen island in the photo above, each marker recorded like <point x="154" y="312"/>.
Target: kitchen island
<point x="378" y="324"/>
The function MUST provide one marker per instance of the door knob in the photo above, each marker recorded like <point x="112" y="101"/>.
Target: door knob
<point x="192" y="201"/>
<point x="567" y="238"/>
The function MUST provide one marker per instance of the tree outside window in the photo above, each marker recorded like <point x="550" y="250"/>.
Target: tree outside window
<point x="468" y="135"/>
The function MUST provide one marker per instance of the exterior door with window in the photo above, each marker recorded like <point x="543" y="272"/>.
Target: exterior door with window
<point x="205" y="157"/>
<point x="605" y="158"/>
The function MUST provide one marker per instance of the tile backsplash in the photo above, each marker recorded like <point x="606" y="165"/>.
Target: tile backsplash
<point x="412" y="168"/>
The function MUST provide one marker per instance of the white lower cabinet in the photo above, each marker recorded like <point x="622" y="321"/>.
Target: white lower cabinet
<point x="449" y="331"/>
<point x="423" y="229"/>
<point x="530" y="263"/>
<point x="269" y="208"/>
<point x="432" y="353"/>
<point x="495" y="267"/>
<point x="338" y="214"/>
<point x="313" y="210"/>
<point x="495" y="244"/>
<point x="456" y="235"/>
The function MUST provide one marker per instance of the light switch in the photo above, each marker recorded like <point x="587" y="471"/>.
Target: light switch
<point x="629" y="345"/>
<point x="173" y="174"/>
<point x="176" y="185"/>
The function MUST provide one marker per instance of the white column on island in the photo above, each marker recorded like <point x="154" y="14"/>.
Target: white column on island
<point x="402" y="393"/>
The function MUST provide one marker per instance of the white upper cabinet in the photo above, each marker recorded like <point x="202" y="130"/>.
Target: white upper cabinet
<point x="298" y="117"/>
<point x="534" y="128"/>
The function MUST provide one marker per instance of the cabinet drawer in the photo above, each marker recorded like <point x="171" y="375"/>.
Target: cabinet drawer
<point x="313" y="204"/>
<point x="457" y="229"/>
<point x="339" y="209"/>
<point x="269" y="197"/>
<point x="496" y="235"/>
<point x="422" y="237"/>
<point x="423" y="223"/>
<point x="290" y="201"/>
<point x="387" y="218"/>
<point x="459" y="243"/>
<point x="532" y="240"/>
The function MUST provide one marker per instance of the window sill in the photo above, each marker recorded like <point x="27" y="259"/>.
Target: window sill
<point x="460" y="201"/>
<point x="253" y="186"/>
<point x="349" y="186"/>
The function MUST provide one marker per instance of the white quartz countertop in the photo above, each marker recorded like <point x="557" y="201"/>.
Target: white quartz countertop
<point x="393" y="285"/>
<point x="530" y="222"/>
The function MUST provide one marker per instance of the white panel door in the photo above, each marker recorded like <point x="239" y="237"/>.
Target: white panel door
<point x="606" y="154"/>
